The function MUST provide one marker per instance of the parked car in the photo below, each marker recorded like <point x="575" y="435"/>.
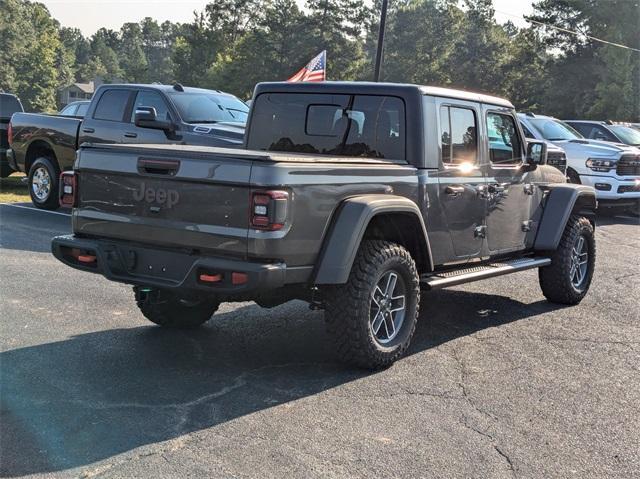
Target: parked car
<point x="77" y="108"/>
<point x="9" y="104"/>
<point x="606" y="131"/>
<point x="613" y="169"/>
<point x="45" y="145"/>
<point x="351" y="196"/>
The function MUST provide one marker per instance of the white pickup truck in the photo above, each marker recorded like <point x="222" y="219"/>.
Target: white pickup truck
<point x="613" y="169"/>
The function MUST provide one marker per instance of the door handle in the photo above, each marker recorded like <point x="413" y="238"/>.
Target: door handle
<point x="88" y="130"/>
<point x="454" y="191"/>
<point x="131" y="135"/>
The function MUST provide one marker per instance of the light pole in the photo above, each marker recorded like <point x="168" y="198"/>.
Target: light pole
<point x="383" y="20"/>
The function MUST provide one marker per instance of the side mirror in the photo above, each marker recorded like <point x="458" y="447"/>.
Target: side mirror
<point x="536" y="153"/>
<point x="146" y="117"/>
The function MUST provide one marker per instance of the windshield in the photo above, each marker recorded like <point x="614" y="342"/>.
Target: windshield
<point x="203" y="107"/>
<point x="554" y="130"/>
<point x="626" y="134"/>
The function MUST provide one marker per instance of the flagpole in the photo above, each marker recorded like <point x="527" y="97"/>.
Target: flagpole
<point x="383" y="20"/>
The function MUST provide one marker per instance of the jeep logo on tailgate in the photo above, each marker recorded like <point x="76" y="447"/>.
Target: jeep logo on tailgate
<point x="156" y="195"/>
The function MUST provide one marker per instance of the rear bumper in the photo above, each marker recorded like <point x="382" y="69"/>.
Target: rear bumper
<point x="146" y="266"/>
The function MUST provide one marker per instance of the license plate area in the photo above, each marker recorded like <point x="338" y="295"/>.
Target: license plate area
<point x="157" y="264"/>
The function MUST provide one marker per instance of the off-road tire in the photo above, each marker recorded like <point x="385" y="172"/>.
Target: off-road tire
<point x="348" y="306"/>
<point x="555" y="279"/>
<point x="169" y="310"/>
<point x="52" y="201"/>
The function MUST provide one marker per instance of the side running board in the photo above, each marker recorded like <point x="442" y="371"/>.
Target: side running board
<point x="468" y="275"/>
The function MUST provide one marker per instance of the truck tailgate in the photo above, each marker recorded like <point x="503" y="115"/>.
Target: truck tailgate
<point x="175" y="198"/>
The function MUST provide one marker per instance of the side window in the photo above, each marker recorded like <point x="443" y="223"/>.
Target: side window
<point x="458" y="136"/>
<point x="112" y="105"/>
<point x="154" y="100"/>
<point x="601" y="133"/>
<point x="69" y="110"/>
<point x="527" y="131"/>
<point x="584" y="130"/>
<point x="505" y="146"/>
<point x="82" y="109"/>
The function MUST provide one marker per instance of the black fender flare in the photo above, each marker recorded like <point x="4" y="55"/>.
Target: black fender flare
<point x="561" y="202"/>
<point x="344" y="237"/>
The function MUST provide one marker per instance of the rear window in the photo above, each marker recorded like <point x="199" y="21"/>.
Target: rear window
<point x="112" y="105"/>
<point x="342" y="125"/>
<point x="9" y="104"/>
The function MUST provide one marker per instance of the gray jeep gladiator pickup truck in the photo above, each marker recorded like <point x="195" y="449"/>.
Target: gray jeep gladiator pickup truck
<point x="351" y="196"/>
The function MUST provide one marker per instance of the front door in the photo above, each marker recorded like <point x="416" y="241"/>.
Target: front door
<point x="461" y="179"/>
<point x="509" y="194"/>
<point x="135" y="134"/>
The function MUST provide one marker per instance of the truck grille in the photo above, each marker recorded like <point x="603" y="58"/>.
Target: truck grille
<point x="558" y="160"/>
<point x="629" y="165"/>
<point x="629" y="189"/>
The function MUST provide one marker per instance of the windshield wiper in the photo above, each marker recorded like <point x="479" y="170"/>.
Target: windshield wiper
<point x="204" y="121"/>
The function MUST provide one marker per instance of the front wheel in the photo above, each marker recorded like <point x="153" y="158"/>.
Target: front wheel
<point x="43" y="184"/>
<point x="567" y="279"/>
<point x="170" y="310"/>
<point x="373" y="317"/>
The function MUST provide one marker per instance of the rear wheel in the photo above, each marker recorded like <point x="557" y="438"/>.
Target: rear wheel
<point x="43" y="183"/>
<point x="373" y="316"/>
<point x="170" y="310"/>
<point x="567" y="279"/>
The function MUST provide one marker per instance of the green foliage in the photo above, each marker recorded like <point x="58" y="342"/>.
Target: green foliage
<point x="233" y="44"/>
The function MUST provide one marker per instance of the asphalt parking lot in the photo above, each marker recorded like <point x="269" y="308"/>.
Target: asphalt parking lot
<point x="498" y="382"/>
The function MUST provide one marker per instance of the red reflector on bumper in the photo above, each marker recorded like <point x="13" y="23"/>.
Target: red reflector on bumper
<point x="210" y="278"/>
<point x="86" y="258"/>
<point x="239" y="278"/>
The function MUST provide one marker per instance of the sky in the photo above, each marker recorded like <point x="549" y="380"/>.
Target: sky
<point x="90" y="15"/>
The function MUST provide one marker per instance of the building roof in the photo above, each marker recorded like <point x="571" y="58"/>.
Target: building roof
<point x="85" y="87"/>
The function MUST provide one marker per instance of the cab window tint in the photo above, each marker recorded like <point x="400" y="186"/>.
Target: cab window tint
<point x="82" y="109"/>
<point x="458" y="135"/>
<point x="505" y="146"/>
<point x="69" y="110"/>
<point x="341" y="125"/>
<point x="527" y="131"/>
<point x="112" y="105"/>
<point x="151" y="99"/>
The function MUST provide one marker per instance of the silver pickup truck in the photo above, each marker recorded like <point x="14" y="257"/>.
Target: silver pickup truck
<point x="351" y="196"/>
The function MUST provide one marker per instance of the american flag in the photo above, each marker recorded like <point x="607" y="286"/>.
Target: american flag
<point x="314" y="70"/>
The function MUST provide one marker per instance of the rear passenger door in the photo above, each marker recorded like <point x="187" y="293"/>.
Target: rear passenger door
<point x="461" y="180"/>
<point x="105" y="124"/>
<point x="509" y="189"/>
<point x="149" y="98"/>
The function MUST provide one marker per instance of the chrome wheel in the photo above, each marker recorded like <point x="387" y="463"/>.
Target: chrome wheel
<point x="579" y="262"/>
<point x="388" y="303"/>
<point x="41" y="183"/>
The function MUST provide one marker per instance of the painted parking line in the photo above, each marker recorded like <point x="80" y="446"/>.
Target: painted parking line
<point x="32" y="208"/>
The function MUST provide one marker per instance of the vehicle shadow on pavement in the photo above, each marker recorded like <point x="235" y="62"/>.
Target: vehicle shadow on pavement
<point x="72" y="403"/>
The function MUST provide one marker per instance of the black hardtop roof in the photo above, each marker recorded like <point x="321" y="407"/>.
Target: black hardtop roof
<point x="403" y="90"/>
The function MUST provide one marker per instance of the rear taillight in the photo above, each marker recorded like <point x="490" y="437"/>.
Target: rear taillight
<point x="269" y="209"/>
<point x="68" y="189"/>
<point x="10" y="134"/>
